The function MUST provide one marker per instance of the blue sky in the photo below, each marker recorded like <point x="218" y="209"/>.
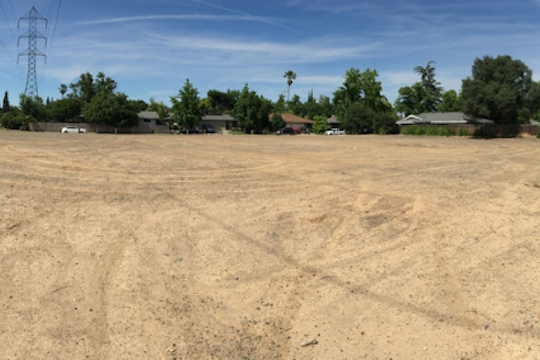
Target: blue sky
<point x="151" y="47"/>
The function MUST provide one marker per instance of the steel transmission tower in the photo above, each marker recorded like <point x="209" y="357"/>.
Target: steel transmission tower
<point x="31" y="88"/>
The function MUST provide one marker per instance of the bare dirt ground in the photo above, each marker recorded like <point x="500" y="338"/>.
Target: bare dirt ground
<point x="246" y="247"/>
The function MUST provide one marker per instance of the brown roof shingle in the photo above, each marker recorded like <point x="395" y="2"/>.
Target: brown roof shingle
<point x="293" y="119"/>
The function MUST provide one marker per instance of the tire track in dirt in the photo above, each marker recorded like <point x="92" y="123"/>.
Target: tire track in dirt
<point x="309" y="270"/>
<point x="269" y="241"/>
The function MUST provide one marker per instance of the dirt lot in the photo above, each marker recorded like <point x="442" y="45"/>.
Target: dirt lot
<point x="246" y="247"/>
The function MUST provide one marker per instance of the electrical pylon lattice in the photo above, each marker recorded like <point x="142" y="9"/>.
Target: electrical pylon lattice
<point x="31" y="88"/>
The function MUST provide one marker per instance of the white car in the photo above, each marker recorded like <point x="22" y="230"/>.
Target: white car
<point x="335" y="131"/>
<point x="73" y="129"/>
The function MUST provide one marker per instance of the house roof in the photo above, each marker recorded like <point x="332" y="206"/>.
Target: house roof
<point x="442" y="118"/>
<point x="332" y="120"/>
<point x="212" y="117"/>
<point x="150" y="115"/>
<point x="293" y="119"/>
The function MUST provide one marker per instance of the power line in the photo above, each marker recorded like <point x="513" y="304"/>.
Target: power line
<point x="50" y="12"/>
<point x="7" y="51"/>
<point x="12" y="10"/>
<point x="55" y="23"/>
<point x="7" y="21"/>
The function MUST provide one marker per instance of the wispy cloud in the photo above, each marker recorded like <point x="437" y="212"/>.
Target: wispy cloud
<point x="262" y="19"/>
<point x="204" y="17"/>
<point x="245" y="51"/>
<point x="336" y="6"/>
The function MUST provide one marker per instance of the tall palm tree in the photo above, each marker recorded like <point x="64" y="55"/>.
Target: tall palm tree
<point x="290" y="75"/>
<point x="63" y="89"/>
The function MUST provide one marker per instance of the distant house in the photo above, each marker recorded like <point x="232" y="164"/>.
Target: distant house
<point x="294" y="121"/>
<point x="148" y="118"/>
<point x="333" y="122"/>
<point x="442" y="118"/>
<point x="219" y="122"/>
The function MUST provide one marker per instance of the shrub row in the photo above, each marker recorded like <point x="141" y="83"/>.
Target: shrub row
<point x="433" y="131"/>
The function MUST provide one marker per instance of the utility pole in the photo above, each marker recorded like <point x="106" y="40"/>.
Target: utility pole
<point x="31" y="88"/>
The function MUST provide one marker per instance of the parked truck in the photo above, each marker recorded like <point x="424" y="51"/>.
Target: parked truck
<point x="334" y="131"/>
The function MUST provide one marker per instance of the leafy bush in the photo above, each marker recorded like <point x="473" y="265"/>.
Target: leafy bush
<point x="428" y="130"/>
<point x="384" y="122"/>
<point x="12" y="120"/>
<point x="463" y="132"/>
<point x="409" y="130"/>
<point x="320" y="125"/>
<point x="277" y="122"/>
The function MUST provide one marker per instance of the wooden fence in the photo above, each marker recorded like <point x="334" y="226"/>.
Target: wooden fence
<point x="99" y="128"/>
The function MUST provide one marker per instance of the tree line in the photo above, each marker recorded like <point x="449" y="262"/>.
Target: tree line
<point x="89" y="99"/>
<point x="499" y="88"/>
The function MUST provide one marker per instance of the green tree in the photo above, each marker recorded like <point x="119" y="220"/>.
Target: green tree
<point x="263" y="113"/>
<point x="112" y="109"/>
<point x="206" y="106"/>
<point x="280" y="107"/>
<point x="311" y="109"/>
<point x="532" y="102"/>
<point x="348" y="93"/>
<point x="104" y="83"/>
<point x="14" y="119"/>
<point x="498" y="89"/>
<point x="384" y="122"/>
<point x="290" y="76"/>
<point x="243" y="109"/>
<point x="361" y="87"/>
<point x="433" y="90"/>
<point x="358" y="118"/>
<point x="409" y="100"/>
<point x="222" y="102"/>
<point x="450" y="102"/>
<point x="6" y="107"/>
<point x="295" y="106"/>
<point x="277" y="122"/>
<point x="160" y="108"/>
<point x="185" y="106"/>
<point x="359" y="99"/>
<point x="33" y="107"/>
<point x="325" y="106"/>
<point x="320" y="125"/>
<point x="251" y="110"/>
<point x="84" y="88"/>
<point x="65" y="109"/>
<point x="139" y="105"/>
<point x="87" y="86"/>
